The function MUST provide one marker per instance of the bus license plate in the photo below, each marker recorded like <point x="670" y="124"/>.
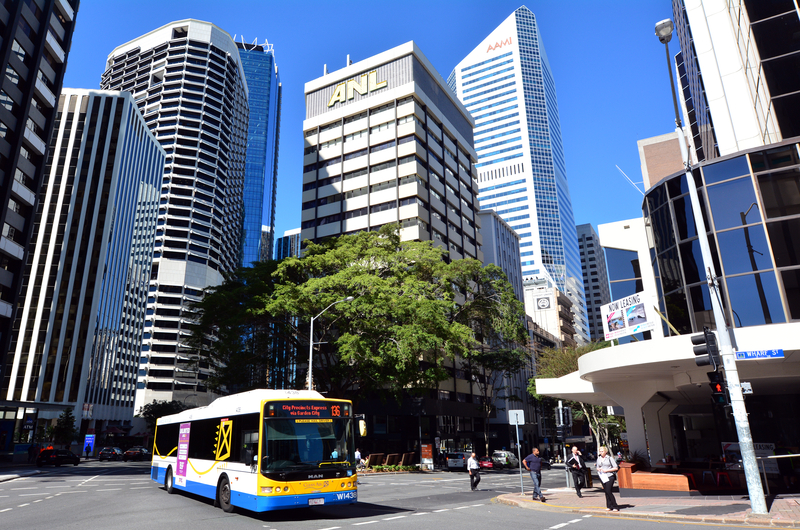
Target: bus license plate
<point x="312" y="502"/>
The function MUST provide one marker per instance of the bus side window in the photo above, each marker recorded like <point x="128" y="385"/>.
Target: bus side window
<point x="249" y="447"/>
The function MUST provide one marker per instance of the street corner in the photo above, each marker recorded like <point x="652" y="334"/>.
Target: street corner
<point x="552" y="503"/>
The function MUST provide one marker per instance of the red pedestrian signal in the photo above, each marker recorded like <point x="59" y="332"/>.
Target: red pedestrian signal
<point x="719" y="396"/>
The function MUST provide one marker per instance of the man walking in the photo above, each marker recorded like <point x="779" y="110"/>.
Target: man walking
<point x="474" y="469"/>
<point x="533" y="464"/>
<point x="577" y="466"/>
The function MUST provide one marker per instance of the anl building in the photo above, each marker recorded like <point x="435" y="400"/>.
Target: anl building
<point x="77" y="340"/>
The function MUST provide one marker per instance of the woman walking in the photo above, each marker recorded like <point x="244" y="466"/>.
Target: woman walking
<point x="607" y="471"/>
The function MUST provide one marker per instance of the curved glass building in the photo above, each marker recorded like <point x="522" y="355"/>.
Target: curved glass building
<point x="751" y="206"/>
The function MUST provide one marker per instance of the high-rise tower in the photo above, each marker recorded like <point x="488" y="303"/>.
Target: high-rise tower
<point x="35" y="38"/>
<point x="187" y="79"/>
<point x="261" y="166"/>
<point x="507" y="85"/>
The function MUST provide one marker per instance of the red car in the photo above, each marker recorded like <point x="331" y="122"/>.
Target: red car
<point x="486" y="462"/>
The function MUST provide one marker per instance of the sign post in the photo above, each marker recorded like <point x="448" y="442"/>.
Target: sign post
<point x="517" y="419"/>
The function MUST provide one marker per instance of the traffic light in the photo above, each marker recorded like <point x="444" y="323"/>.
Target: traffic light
<point x="706" y="349"/>
<point x="718" y="393"/>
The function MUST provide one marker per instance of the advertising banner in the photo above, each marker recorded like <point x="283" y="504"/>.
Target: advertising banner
<point x="733" y="456"/>
<point x="183" y="454"/>
<point x="629" y="315"/>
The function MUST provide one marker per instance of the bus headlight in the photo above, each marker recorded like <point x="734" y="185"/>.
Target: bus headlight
<point x="266" y="489"/>
<point x="286" y="488"/>
<point x="342" y="484"/>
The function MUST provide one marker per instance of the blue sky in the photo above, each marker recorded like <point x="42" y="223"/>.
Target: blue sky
<point x="609" y="69"/>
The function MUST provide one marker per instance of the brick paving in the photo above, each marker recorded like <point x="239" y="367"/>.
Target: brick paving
<point x="784" y="510"/>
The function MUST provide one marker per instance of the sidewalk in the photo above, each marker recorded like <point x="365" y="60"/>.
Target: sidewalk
<point x="784" y="510"/>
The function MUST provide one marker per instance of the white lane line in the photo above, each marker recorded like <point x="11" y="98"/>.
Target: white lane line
<point x="586" y="516"/>
<point x="16" y="489"/>
<point x="51" y="487"/>
<point x="575" y="521"/>
<point x="148" y="487"/>
<point x="329" y="528"/>
<point x="481" y="505"/>
<point x="76" y="491"/>
<point x="48" y="498"/>
<point x="421" y="513"/>
<point x="110" y="489"/>
<point x="461" y="507"/>
<point x="365" y="522"/>
<point x="31" y="494"/>
<point x="6" y="510"/>
<point x="26" y="504"/>
<point x="562" y="525"/>
<point x="38" y="500"/>
<point x="393" y="518"/>
<point x="442" y="510"/>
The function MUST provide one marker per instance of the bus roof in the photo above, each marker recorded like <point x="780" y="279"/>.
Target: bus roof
<point x="242" y="403"/>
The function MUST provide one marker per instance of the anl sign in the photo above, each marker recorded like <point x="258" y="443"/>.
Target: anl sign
<point x="344" y="91"/>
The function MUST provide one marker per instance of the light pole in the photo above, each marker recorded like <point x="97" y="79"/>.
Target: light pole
<point x="311" y="337"/>
<point x="749" y="463"/>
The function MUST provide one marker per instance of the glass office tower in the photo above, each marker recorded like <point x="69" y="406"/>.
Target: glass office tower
<point x="507" y="85"/>
<point x="261" y="165"/>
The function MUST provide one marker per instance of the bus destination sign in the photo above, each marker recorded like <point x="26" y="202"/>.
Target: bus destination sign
<point x="307" y="409"/>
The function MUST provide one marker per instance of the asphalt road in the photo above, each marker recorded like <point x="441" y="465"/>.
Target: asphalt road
<point x="121" y="496"/>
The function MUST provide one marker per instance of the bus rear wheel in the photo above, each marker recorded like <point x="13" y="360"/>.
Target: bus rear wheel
<point x="224" y="495"/>
<point x="169" y="482"/>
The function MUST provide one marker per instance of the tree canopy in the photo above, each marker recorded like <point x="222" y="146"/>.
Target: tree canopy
<point x="156" y="409"/>
<point x="411" y="310"/>
<point x="65" y="432"/>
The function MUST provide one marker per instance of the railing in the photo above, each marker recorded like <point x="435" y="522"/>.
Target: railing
<point x="764" y="470"/>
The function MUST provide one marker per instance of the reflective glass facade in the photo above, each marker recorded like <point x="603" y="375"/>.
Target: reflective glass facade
<point x="751" y="204"/>
<point x="507" y="85"/>
<point x="261" y="164"/>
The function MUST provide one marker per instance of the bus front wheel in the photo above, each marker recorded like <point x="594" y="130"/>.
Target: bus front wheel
<point x="224" y="495"/>
<point x="169" y="481"/>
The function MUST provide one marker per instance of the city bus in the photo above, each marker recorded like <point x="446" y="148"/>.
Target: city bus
<point x="260" y="450"/>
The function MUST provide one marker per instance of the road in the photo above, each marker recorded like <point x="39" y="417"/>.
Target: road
<point x="121" y="496"/>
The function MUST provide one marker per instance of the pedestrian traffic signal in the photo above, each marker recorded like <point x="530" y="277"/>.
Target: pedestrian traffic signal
<point x="706" y="349"/>
<point x="719" y="396"/>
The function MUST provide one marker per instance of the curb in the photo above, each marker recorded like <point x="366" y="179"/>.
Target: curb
<point x="752" y="520"/>
<point x="6" y="478"/>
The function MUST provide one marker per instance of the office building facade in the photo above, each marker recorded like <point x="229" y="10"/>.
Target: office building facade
<point x="595" y="278"/>
<point x="189" y="83"/>
<point x="78" y="338"/>
<point x="501" y="247"/>
<point x="507" y="85"/>
<point x="735" y="70"/>
<point x="35" y="39"/>
<point x="288" y="245"/>
<point x="263" y="138"/>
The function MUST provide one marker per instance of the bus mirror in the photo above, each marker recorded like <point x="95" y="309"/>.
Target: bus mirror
<point x="362" y="427"/>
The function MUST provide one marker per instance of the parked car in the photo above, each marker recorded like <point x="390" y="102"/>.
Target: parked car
<point x="505" y="459"/>
<point x="486" y="462"/>
<point x="457" y="461"/>
<point x="136" y="453"/>
<point x="110" y="453"/>
<point x="56" y="457"/>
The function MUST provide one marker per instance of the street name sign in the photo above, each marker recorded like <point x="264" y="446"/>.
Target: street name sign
<point x="758" y="354"/>
<point x="516" y="417"/>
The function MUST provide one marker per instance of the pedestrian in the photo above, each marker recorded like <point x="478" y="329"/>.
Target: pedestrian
<point x="533" y="464"/>
<point x="577" y="466"/>
<point x="474" y="469"/>
<point x="87" y="450"/>
<point x="607" y="471"/>
<point x="32" y="453"/>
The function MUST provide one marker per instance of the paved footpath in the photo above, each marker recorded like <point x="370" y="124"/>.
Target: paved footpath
<point x="784" y="510"/>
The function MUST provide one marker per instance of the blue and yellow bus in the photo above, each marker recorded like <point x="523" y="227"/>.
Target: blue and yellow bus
<point x="260" y="450"/>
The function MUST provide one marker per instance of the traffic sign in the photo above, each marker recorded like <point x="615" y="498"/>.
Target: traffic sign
<point x="516" y="417"/>
<point x="759" y="354"/>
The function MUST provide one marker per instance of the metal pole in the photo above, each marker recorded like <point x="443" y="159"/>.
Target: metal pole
<point x="757" y="501"/>
<point x="519" y="461"/>
<point x="311" y="350"/>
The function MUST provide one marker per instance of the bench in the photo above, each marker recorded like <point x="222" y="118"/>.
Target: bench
<point x="632" y="480"/>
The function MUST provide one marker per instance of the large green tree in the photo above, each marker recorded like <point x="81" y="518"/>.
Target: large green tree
<point x="65" y="432"/>
<point x="553" y="363"/>
<point x="156" y="409"/>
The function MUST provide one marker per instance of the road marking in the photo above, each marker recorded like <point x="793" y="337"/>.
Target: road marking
<point x="585" y="516"/>
<point x="575" y="521"/>
<point x="148" y="487"/>
<point x="395" y="517"/>
<point x="51" y="487"/>
<point x="48" y="497"/>
<point x="329" y="528"/>
<point x="477" y="505"/>
<point x="31" y="494"/>
<point x="15" y="489"/>
<point x="461" y="507"/>
<point x="38" y="500"/>
<point x="110" y="489"/>
<point x="442" y="510"/>
<point x="26" y="504"/>
<point x="421" y="513"/>
<point x="562" y="525"/>
<point x="365" y="522"/>
<point x="6" y="510"/>
<point x="75" y="491"/>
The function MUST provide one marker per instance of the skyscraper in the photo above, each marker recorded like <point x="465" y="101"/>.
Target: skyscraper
<point x="736" y="73"/>
<point x="34" y="61"/>
<point x="595" y="278"/>
<point x="507" y="85"/>
<point x="288" y="245"/>
<point x="187" y="79"/>
<point x="261" y="165"/>
<point x="386" y="142"/>
<point x="78" y="338"/>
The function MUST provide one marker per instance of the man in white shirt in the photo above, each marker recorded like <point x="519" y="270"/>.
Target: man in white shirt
<point x="577" y="465"/>
<point x="474" y="469"/>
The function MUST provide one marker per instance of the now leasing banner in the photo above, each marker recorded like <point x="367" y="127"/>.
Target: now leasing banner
<point x="629" y="315"/>
<point x="183" y="454"/>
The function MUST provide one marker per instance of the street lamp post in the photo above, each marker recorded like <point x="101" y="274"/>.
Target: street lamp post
<point x="311" y="337"/>
<point x="757" y="502"/>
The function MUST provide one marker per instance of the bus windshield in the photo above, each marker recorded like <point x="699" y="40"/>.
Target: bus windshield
<point x="300" y="444"/>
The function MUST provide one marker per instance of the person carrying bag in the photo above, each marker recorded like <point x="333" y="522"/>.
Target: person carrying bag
<point x="607" y="472"/>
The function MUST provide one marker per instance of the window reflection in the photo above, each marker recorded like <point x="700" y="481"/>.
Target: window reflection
<point x="744" y="250"/>
<point x="678" y="312"/>
<point x="692" y="262"/>
<point x="677" y="186"/>
<point x="730" y="200"/>
<point x="625" y="288"/>
<point x="780" y="192"/>
<point x="755" y="299"/>
<point x="785" y="243"/>
<point x="774" y="158"/>
<point x="701" y="307"/>
<point x="735" y="167"/>
<point x="791" y="285"/>
<point x="622" y="264"/>
<point x="684" y="218"/>
<point x="656" y="198"/>
<point x="662" y="228"/>
<point x="670" y="270"/>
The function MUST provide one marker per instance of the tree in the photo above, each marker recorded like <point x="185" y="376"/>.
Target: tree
<point x="157" y="409"/>
<point x="65" y="432"/>
<point x="496" y="316"/>
<point x="552" y="363"/>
